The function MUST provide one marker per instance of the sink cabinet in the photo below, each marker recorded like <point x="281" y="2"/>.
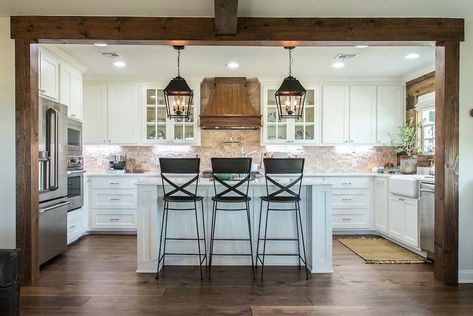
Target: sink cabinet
<point x="403" y="220"/>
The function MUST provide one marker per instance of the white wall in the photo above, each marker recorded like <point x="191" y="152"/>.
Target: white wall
<point x="466" y="157"/>
<point x="7" y="136"/>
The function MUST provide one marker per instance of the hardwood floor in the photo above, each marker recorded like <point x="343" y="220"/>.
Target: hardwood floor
<point x="96" y="276"/>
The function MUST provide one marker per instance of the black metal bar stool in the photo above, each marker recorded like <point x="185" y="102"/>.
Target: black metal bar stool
<point x="233" y="175"/>
<point x="277" y="193"/>
<point x="187" y="170"/>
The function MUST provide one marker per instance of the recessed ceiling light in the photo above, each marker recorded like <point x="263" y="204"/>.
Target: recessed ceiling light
<point x="119" y="64"/>
<point x="361" y="46"/>
<point x="338" y="64"/>
<point x="100" y="44"/>
<point x="412" y="56"/>
<point x="233" y="65"/>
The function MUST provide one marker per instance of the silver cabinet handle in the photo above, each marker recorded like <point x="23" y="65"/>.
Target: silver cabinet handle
<point x="346" y="183"/>
<point x="54" y="207"/>
<point x="73" y="226"/>
<point x="346" y="219"/>
<point x="114" y="183"/>
<point x="73" y="115"/>
<point x="42" y="90"/>
<point x="346" y="199"/>
<point x="114" y="219"/>
<point x="114" y="199"/>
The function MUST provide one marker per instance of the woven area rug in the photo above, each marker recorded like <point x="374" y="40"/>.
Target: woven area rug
<point x="379" y="250"/>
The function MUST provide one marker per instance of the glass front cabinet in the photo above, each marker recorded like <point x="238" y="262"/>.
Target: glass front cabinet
<point x="291" y="131"/>
<point x="160" y="129"/>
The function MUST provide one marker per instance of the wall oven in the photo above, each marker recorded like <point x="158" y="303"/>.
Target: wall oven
<point x="75" y="189"/>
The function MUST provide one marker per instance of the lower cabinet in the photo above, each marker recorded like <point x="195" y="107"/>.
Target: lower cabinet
<point x="351" y="203"/>
<point x="381" y="204"/>
<point x="112" y="203"/>
<point x="75" y="227"/>
<point x="403" y="220"/>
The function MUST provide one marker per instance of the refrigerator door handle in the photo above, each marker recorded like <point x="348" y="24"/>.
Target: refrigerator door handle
<point x="50" y="208"/>
<point x="52" y="145"/>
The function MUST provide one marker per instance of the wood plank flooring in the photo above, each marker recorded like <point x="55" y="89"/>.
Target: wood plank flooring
<point x="96" y="276"/>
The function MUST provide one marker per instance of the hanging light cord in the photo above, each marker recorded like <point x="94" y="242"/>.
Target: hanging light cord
<point x="178" y="62"/>
<point x="290" y="62"/>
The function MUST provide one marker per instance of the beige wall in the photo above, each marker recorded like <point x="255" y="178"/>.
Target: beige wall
<point x="7" y="136"/>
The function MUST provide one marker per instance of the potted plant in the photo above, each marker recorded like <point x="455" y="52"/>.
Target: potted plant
<point x="405" y="143"/>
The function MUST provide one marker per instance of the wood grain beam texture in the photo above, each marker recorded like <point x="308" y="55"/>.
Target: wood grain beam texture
<point x="251" y="31"/>
<point x="27" y="198"/>
<point x="226" y="17"/>
<point x="447" y="66"/>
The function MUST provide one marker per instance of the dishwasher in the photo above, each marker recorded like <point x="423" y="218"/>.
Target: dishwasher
<point x="427" y="216"/>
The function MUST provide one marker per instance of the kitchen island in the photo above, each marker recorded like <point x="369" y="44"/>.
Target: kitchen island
<point x="316" y="207"/>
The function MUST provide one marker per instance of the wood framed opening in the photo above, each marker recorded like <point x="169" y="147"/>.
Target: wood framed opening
<point x="446" y="33"/>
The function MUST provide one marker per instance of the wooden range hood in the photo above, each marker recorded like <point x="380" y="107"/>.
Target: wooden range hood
<point x="230" y="103"/>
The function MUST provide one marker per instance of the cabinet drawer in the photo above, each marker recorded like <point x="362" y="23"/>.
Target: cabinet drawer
<point x="74" y="221"/>
<point x="350" y="182"/>
<point x="351" y="199"/>
<point x="351" y="211"/>
<point x="350" y="221"/>
<point x="115" y="221"/>
<point x="113" y="199"/>
<point x="113" y="183"/>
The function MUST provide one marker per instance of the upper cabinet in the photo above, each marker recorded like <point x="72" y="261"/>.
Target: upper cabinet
<point x="60" y="80"/>
<point x="48" y="75"/>
<point x="123" y="113"/>
<point x="361" y="114"/>
<point x="390" y="112"/>
<point x="158" y="128"/>
<point x="291" y="131"/>
<point x="111" y="114"/>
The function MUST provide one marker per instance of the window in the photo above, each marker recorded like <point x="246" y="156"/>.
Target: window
<point x="426" y="117"/>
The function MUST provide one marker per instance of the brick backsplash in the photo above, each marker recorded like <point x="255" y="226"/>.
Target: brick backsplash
<point x="318" y="158"/>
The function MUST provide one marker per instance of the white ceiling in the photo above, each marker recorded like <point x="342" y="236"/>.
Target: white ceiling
<point x="276" y="8"/>
<point x="155" y="63"/>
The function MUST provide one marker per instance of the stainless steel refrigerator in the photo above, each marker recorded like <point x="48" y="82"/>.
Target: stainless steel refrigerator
<point x="52" y="179"/>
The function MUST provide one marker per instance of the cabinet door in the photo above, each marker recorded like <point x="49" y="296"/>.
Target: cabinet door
<point x="75" y="108"/>
<point x="48" y="75"/>
<point x="390" y="112"/>
<point x="123" y="109"/>
<point x="334" y="114"/>
<point x="305" y="129"/>
<point x="411" y="226"/>
<point x="95" y="114"/>
<point x="381" y="205"/>
<point x="362" y="114"/>
<point x="275" y="129"/>
<point x="396" y="217"/>
<point x="65" y="86"/>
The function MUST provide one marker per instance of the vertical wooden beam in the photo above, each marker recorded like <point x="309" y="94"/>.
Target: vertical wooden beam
<point x="447" y="63"/>
<point x="27" y="204"/>
<point x="226" y="17"/>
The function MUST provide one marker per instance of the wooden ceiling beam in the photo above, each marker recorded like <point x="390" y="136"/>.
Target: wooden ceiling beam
<point x="226" y="17"/>
<point x="251" y="31"/>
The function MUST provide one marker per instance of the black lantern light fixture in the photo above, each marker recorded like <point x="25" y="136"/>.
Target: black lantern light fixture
<point x="177" y="94"/>
<point x="290" y="97"/>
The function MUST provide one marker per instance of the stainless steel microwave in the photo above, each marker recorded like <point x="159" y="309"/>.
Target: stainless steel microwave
<point x="74" y="138"/>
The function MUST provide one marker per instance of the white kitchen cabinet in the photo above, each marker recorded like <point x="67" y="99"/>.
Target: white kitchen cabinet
<point x="335" y="100"/>
<point x="112" y="203"/>
<point x="122" y="113"/>
<point x="95" y="114"/>
<point x="390" y="112"/>
<point x="158" y="128"/>
<point x="48" y="75"/>
<point x="75" y="228"/>
<point x="411" y="228"/>
<point x="362" y="120"/>
<point x="70" y="90"/>
<point x="403" y="220"/>
<point x="303" y="131"/>
<point x="381" y="204"/>
<point x="351" y="203"/>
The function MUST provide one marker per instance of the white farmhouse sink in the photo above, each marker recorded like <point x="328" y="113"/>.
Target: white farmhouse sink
<point x="404" y="185"/>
